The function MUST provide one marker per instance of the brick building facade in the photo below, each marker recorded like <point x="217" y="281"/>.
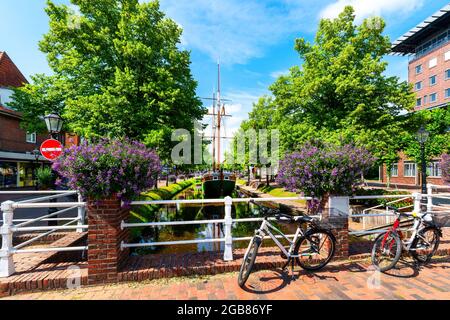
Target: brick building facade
<point x="428" y="48"/>
<point x="17" y="161"/>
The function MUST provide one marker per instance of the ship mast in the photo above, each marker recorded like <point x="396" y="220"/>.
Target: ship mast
<point x="219" y="111"/>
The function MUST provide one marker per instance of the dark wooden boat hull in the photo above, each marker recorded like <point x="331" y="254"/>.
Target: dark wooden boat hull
<point x="213" y="189"/>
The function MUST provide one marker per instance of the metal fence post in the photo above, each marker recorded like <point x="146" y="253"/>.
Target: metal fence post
<point x="6" y="256"/>
<point x="417" y="202"/>
<point x="228" y="251"/>
<point x="429" y="197"/>
<point x="81" y="213"/>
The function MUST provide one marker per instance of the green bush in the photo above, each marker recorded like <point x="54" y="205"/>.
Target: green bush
<point x="45" y="178"/>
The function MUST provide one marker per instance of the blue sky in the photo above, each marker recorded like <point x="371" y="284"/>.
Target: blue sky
<point x="253" y="38"/>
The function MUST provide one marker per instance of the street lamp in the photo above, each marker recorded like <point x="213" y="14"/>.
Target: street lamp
<point x="54" y="123"/>
<point x="422" y="137"/>
<point x="36" y="154"/>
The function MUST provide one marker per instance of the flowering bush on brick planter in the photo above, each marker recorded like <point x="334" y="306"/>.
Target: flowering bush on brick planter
<point x="445" y="168"/>
<point x="320" y="169"/>
<point x="100" y="170"/>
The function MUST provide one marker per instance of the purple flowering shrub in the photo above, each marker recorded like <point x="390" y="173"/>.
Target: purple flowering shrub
<point x="99" y="170"/>
<point x="320" y="169"/>
<point x="445" y="168"/>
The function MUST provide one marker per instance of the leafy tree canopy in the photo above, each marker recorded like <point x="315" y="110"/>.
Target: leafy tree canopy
<point x="340" y="93"/>
<point x="118" y="71"/>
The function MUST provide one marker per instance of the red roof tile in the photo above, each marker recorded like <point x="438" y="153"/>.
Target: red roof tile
<point x="10" y="75"/>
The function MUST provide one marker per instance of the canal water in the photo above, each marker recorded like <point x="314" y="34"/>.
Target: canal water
<point x="203" y="231"/>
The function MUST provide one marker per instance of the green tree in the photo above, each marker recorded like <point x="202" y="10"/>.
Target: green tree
<point x="340" y="93"/>
<point x="118" y="71"/>
<point x="436" y="122"/>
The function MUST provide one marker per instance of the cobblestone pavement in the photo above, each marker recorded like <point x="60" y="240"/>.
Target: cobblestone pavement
<point x="345" y="280"/>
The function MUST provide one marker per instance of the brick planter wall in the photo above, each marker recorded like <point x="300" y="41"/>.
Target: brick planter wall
<point x="105" y="258"/>
<point x="338" y="223"/>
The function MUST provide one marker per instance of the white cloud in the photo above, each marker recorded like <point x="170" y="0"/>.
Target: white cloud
<point x="277" y="74"/>
<point x="235" y="31"/>
<point x="366" y="8"/>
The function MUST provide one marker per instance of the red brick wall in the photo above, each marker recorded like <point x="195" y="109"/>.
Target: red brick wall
<point x="13" y="138"/>
<point x="438" y="70"/>
<point x="105" y="258"/>
<point x="400" y="179"/>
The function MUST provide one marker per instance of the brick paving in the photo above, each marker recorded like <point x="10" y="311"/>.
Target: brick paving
<point x="339" y="280"/>
<point x="45" y="274"/>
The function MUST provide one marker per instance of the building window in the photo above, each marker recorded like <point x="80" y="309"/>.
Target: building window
<point x="418" y="85"/>
<point x="447" y="74"/>
<point x="433" y="169"/>
<point x="31" y="137"/>
<point x="432" y="63"/>
<point x="419" y="69"/>
<point x="447" y="56"/>
<point x="418" y="102"/>
<point x="433" y="80"/>
<point x="394" y="170"/>
<point x="425" y="98"/>
<point x="433" y="97"/>
<point x="447" y="93"/>
<point x="409" y="169"/>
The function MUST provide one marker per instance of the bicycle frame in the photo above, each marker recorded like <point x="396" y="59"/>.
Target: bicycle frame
<point x="406" y="245"/>
<point x="265" y="230"/>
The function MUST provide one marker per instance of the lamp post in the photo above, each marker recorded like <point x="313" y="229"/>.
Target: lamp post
<point x="422" y="137"/>
<point x="54" y="124"/>
<point x="36" y="154"/>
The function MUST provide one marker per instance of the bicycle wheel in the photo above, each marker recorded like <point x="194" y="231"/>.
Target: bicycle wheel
<point x="248" y="261"/>
<point x="425" y="244"/>
<point x="315" y="249"/>
<point x="386" y="255"/>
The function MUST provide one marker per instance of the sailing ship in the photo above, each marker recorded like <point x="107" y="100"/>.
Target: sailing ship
<point x="217" y="183"/>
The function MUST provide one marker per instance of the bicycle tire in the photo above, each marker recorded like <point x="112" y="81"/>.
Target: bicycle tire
<point x="427" y="257"/>
<point x="398" y="250"/>
<point x="309" y="236"/>
<point x="248" y="261"/>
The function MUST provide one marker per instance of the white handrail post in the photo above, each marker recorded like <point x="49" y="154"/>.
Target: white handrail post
<point x="228" y="250"/>
<point x="429" y="197"/>
<point x="417" y="199"/>
<point x="6" y="256"/>
<point x="81" y="213"/>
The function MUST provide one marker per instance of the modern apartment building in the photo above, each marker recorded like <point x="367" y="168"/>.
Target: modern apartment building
<point x="428" y="47"/>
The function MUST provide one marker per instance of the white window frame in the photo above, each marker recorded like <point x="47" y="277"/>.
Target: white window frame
<point x="447" y="56"/>
<point x="435" y="80"/>
<point x="432" y="63"/>
<point x="418" y="102"/>
<point x="394" y="170"/>
<point x="434" y="170"/>
<point x="412" y="172"/>
<point x="447" y="96"/>
<point x="419" y="66"/>
<point x="418" y="85"/>
<point x="431" y="97"/>
<point x="30" y="137"/>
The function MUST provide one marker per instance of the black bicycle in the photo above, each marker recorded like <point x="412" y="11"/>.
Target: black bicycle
<point x="311" y="248"/>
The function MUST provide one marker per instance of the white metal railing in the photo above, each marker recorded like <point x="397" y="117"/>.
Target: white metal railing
<point x="417" y="206"/>
<point x="227" y="221"/>
<point x="10" y="225"/>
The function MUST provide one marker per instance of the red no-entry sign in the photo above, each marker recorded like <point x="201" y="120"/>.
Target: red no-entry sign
<point x="51" y="149"/>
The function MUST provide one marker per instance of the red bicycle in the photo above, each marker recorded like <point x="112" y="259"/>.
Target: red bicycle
<point x="422" y="244"/>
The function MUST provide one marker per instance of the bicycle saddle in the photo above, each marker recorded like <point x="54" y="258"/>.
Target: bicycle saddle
<point x="287" y="218"/>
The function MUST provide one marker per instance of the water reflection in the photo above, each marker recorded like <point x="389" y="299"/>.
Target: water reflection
<point x="190" y="232"/>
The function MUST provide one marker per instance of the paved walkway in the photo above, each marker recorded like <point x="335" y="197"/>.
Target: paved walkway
<point x="345" y="280"/>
